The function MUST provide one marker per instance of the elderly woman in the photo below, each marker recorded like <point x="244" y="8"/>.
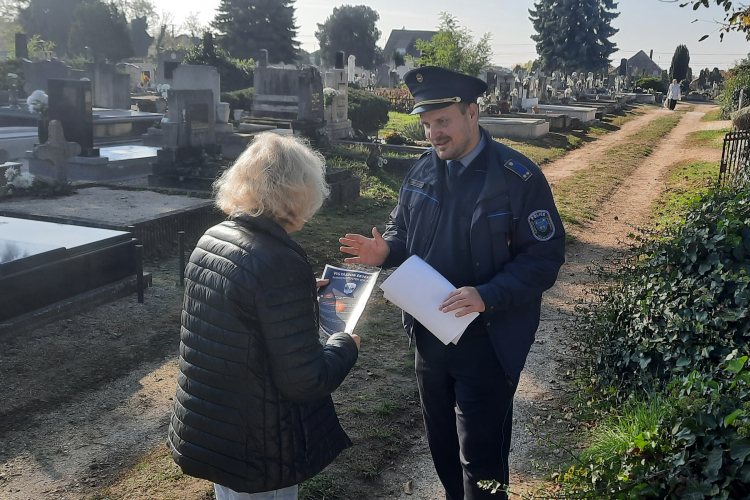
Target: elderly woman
<point x="673" y="95"/>
<point x="253" y="411"/>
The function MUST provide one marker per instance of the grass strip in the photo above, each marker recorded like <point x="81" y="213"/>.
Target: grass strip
<point x="686" y="181"/>
<point x="579" y="196"/>
<point x="707" y="138"/>
<point x="712" y="116"/>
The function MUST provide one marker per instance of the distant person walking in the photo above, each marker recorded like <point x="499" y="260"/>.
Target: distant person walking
<point x="674" y="95"/>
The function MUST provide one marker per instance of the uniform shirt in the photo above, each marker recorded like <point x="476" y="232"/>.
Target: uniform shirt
<point x="450" y="251"/>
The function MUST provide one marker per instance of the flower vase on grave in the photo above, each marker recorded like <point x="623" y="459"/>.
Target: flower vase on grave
<point x="42" y="126"/>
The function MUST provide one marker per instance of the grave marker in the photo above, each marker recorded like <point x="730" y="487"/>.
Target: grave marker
<point x="58" y="151"/>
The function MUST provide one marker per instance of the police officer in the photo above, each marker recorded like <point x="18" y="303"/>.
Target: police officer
<point x="482" y="215"/>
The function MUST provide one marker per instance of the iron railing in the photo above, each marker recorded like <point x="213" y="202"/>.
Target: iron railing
<point x="735" y="159"/>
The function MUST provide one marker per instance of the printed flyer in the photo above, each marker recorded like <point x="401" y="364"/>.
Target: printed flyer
<point x="343" y="299"/>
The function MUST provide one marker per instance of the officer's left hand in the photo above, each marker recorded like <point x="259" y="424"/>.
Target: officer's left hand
<point x="466" y="298"/>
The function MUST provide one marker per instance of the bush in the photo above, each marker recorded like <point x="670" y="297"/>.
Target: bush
<point x="690" y="444"/>
<point x="682" y="303"/>
<point x="393" y="137"/>
<point x="235" y="74"/>
<point x="414" y="131"/>
<point x="6" y="82"/>
<point x="738" y="78"/>
<point x="146" y="105"/>
<point x="367" y="111"/>
<point x="654" y="84"/>
<point x="239" y="99"/>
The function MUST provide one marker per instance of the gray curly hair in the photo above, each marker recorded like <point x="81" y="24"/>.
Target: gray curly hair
<point x="279" y="177"/>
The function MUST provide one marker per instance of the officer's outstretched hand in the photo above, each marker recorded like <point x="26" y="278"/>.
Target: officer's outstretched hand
<point x="466" y="298"/>
<point x="369" y="251"/>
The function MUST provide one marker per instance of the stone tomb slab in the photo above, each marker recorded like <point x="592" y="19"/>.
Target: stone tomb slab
<point x="43" y="263"/>
<point x="116" y="163"/>
<point x="515" y="128"/>
<point x="116" y="207"/>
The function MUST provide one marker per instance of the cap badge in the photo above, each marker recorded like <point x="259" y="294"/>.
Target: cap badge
<point x="420" y="78"/>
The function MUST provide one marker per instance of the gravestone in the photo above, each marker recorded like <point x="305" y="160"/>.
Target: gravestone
<point x="311" y="111"/>
<point x="192" y="120"/>
<point x="37" y="74"/>
<point x="338" y="125"/>
<point x="351" y="68"/>
<point x="166" y="63"/>
<point x="382" y="75"/>
<point x="110" y="88"/>
<point x="22" y="46"/>
<point x="276" y="93"/>
<point x="58" y="151"/>
<point x="71" y="102"/>
<point x="196" y="77"/>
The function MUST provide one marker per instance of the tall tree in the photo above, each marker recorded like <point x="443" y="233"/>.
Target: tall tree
<point x="103" y="29"/>
<point x="247" y="26"/>
<point x="715" y="76"/>
<point x="139" y="36"/>
<point x="680" y="64"/>
<point x="50" y="19"/>
<point x="351" y="28"/>
<point x="574" y="35"/>
<point x="453" y="47"/>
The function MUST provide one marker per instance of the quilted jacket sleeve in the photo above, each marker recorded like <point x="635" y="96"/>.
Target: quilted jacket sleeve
<point x="303" y="370"/>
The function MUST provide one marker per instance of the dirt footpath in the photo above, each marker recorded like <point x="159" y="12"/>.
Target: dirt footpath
<point x="70" y="422"/>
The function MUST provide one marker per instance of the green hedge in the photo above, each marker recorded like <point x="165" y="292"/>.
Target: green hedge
<point x="239" y="99"/>
<point x="367" y="111"/>
<point x="682" y="304"/>
<point x="651" y="83"/>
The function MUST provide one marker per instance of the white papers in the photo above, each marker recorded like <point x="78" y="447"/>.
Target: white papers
<point x="419" y="290"/>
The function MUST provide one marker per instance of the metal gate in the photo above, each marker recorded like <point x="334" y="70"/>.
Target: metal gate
<point x="735" y="159"/>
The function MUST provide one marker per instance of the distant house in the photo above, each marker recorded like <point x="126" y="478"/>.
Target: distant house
<point x="404" y="42"/>
<point x="640" y="66"/>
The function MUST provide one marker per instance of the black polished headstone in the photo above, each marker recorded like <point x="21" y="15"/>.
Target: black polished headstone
<point x="22" y="46"/>
<point x="70" y="102"/>
<point x="340" y="59"/>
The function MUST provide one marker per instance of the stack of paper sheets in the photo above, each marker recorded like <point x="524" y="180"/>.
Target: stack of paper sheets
<point x="417" y="288"/>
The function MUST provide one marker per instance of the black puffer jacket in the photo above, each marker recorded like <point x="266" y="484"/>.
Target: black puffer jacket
<point x="253" y="410"/>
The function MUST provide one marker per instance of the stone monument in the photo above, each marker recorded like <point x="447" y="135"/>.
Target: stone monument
<point x="351" y="64"/>
<point x="338" y="125"/>
<point x="71" y="102"/>
<point x="58" y="151"/>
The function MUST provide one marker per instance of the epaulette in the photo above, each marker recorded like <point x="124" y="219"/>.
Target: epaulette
<point x="426" y="153"/>
<point x="518" y="169"/>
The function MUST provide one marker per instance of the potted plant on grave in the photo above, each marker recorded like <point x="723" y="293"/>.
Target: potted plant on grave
<point x="38" y="102"/>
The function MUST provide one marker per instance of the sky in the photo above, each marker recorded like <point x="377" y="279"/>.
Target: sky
<point x="644" y="25"/>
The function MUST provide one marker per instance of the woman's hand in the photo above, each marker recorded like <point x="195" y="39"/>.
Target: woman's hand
<point x="319" y="282"/>
<point x="356" y="338"/>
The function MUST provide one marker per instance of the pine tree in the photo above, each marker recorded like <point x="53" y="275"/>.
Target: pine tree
<point x="574" y="35"/>
<point x="247" y="26"/>
<point x="680" y="64"/>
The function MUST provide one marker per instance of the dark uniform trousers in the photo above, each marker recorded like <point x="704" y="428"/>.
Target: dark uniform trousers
<point x="467" y="403"/>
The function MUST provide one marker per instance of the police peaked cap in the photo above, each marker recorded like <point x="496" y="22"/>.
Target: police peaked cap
<point x="435" y="88"/>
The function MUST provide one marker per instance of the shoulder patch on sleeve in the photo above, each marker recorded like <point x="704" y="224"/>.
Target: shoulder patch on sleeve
<point x="541" y="225"/>
<point x="518" y="169"/>
<point x="426" y="153"/>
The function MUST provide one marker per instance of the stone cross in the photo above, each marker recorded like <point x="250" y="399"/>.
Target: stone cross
<point x="58" y="151"/>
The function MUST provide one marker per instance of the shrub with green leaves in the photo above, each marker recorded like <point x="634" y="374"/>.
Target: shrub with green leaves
<point x="414" y="131"/>
<point x="367" y="111"/>
<point x="738" y="78"/>
<point x="651" y="83"/>
<point x="681" y="303"/>
<point x="696" y="447"/>
<point x="239" y="99"/>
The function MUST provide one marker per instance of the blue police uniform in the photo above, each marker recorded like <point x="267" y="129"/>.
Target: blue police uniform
<point x="505" y="239"/>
